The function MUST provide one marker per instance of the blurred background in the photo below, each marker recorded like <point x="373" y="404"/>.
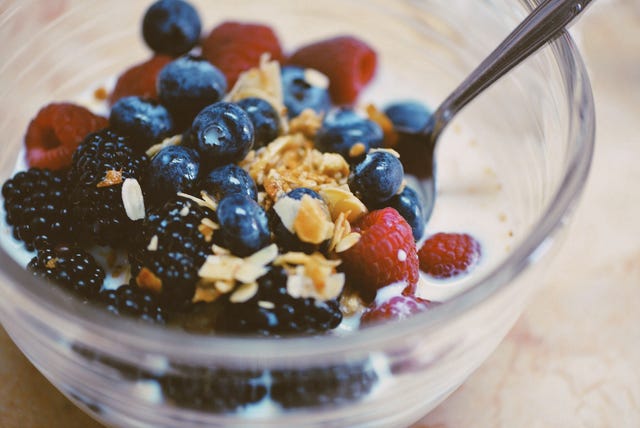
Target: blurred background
<point x="573" y="358"/>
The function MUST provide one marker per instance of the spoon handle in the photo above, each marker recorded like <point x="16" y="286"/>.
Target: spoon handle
<point x="545" y="23"/>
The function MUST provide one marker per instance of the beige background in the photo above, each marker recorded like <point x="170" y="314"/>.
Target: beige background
<point x="573" y="359"/>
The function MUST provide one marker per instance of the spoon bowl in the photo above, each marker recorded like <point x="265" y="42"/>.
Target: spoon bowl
<point x="544" y="24"/>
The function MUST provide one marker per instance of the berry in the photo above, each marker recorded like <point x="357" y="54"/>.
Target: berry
<point x="173" y="169"/>
<point x="222" y="133"/>
<point x="386" y="253"/>
<point x="377" y="178"/>
<point x="169" y="250"/>
<point x="408" y="116"/>
<point x="144" y="122"/>
<point x="54" y="134"/>
<point x="445" y="255"/>
<point x="235" y="47"/>
<point x="134" y="302"/>
<point x="36" y="206"/>
<point x="350" y="64"/>
<point x="304" y="89"/>
<point x="140" y="80"/>
<point x="265" y="120"/>
<point x="410" y="206"/>
<point x="213" y="389"/>
<point x="228" y="180"/>
<point x="171" y="27"/>
<point x="100" y="166"/>
<point x="189" y="84"/>
<point x="346" y="132"/>
<point x="395" y="308"/>
<point x="286" y="239"/>
<point x="331" y="385"/>
<point x="244" y="228"/>
<point x="285" y="315"/>
<point x="72" y="268"/>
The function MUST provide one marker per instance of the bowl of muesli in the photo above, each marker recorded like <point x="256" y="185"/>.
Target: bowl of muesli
<point x="212" y="214"/>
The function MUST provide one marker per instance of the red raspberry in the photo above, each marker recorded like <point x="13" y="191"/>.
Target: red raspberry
<point x="396" y="308"/>
<point x="385" y="253"/>
<point x="349" y="63"/>
<point x="53" y="135"/>
<point x="235" y="47"/>
<point x="444" y="255"/>
<point x="140" y="79"/>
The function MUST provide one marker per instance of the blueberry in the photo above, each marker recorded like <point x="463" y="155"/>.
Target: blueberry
<point x="299" y="192"/>
<point x="229" y="179"/>
<point x="286" y="240"/>
<point x="171" y="27"/>
<point x="145" y="122"/>
<point x="244" y="227"/>
<point x="410" y="206"/>
<point x="222" y="133"/>
<point x="304" y="88"/>
<point x="344" y="131"/>
<point x="409" y="116"/>
<point x="189" y="84"/>
<point x="265" y="119"/>
<point x="173" y="169"/>
<point x="377" y="178"/>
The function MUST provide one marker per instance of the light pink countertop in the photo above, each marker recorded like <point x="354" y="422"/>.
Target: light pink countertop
<point x="573" y="358"/>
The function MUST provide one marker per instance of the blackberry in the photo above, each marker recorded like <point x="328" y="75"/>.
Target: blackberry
<point x="169" y="250"/>
<point x="101" y="164"/>
<point x="272" y="311"/>
<point x="134" y="302"/>
<point x="333" y="385"/>
<point x="214" y="389"/>
<point x="36" y="206"/>
<point x="73" y="268"/>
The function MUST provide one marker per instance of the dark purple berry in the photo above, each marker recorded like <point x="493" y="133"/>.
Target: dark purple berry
<point x="171" y="27"/>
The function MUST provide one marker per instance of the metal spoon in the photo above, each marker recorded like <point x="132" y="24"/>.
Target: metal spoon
<point x="545" y="23"/>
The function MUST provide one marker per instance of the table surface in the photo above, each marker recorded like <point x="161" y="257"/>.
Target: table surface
<point x="573" y="358"/>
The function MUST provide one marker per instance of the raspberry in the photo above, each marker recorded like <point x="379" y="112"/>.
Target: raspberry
<point x="140" y="80"/>
<point x="234" y="47"/>
<point x="349" y="62"/>
<point x="444" y="255"/>
<point x="56" y="131"/>
<point x="385" y="253"/>
<point x="396" y="308"/>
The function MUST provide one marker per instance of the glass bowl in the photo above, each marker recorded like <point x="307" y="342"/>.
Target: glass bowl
<point x="536" y="125"/>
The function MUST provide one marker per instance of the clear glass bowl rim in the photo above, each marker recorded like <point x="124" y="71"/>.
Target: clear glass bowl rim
<point x="53" y="307"/>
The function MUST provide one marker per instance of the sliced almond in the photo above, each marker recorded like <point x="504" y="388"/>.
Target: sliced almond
<point x="347" y="242"/>
<point x="264" y="256"/>
<point x="287" y="209"/>
<point x="343" y="201"/>
<point x="312" y="224"/>
<point x="244" y="292"/>
<point x="132" y="199"/>
<point x="249" y="272"/>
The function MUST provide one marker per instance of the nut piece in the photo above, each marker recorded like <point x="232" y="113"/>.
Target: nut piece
<point x="311" y="275"/>
<point x="111" y="178"/>
<point x="312" y="223"/>
<point x="244" y="292"/>
<point x="307" y="123"/>
<point x="132" y="199"/>
<point x="341" y="201"/>
<point x="148" y="280"/>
